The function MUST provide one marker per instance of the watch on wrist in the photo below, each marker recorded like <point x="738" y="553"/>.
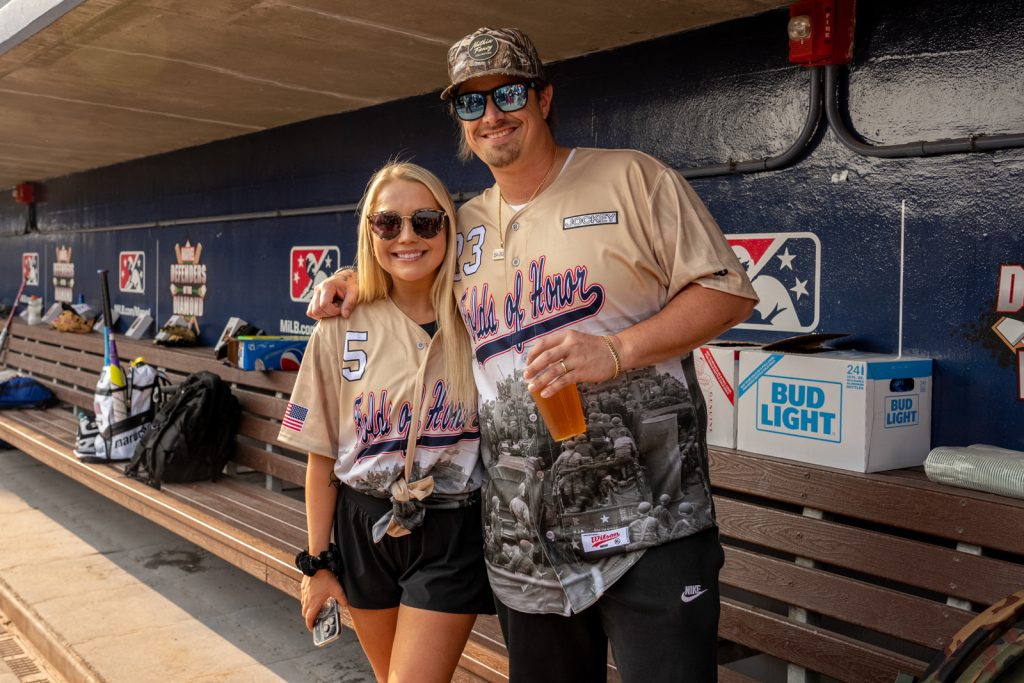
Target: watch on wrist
<point x="311" y="564"/>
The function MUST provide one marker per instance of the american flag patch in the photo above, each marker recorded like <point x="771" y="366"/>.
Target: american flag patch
<point x="294" y="417"/>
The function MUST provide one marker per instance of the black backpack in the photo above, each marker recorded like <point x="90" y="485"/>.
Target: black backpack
<point x="192" y="435"/>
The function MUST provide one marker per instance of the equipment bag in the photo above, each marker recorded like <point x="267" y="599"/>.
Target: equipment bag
<point x="123" y="413"/>
<point x="989" y="649"/>
<point x="25" y="392"/>
<point x="192" y="436"/>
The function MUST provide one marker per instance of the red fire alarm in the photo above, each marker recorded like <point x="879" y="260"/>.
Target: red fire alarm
<point x="821" y="32"/>
<point x="24" y="193"/>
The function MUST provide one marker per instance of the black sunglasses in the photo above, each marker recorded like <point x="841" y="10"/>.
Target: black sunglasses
<point x="469" y="106"/>
<point x="426" y="223"/>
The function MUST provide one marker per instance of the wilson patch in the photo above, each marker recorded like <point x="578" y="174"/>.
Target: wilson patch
<point x="602" y="540"/>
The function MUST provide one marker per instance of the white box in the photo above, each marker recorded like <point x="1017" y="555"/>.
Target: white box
<point x="857" y="411"/>
<point x="139" y="327"/>
<point x="52" y="312"/>
<point x="98" y="325"/>
<point x="86" y="311"/>
<point x="717" y="366"/>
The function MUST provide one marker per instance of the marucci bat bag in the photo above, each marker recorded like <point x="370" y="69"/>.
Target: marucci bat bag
<point x="119" y="433"/>
<point x="192" y="435"/>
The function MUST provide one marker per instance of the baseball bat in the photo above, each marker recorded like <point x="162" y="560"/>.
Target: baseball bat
<point x="111" y="358"/>
<point x="10" y="316"/>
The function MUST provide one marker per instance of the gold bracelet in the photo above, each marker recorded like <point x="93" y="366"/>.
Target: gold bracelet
<point x="615" y="357"/>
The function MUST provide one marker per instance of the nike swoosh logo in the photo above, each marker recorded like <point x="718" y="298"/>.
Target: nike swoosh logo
<point x="691" y="598"/>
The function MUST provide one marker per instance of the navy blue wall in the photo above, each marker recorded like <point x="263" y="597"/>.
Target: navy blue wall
<point x="934" y="70"/>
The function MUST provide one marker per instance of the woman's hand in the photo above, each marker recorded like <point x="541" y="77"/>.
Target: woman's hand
<point x="559" y="360"/>
<point x="315" y="591"/>
<point x="334" y="296"/>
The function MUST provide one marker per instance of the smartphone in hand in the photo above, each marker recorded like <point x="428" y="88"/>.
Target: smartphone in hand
<point x="327" y="625"/>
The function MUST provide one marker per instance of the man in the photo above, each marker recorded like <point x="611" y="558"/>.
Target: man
<point x="609" y="269"/>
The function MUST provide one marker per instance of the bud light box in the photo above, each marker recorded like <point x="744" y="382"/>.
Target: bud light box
<point x="855" y="411"/>
<point x="271" y="353"/>
<point x="717" y="365"/>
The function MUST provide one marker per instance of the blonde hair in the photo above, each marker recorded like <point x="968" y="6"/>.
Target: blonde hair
<point x="376" y="283"/>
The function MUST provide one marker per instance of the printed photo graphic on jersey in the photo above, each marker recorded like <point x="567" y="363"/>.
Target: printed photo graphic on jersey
<point x="785" y="270"/>
<point x="132" y="272"/>
<point x="309" y="267"/>
<point x="295" y="417"/>
<point x="30" y="268"/>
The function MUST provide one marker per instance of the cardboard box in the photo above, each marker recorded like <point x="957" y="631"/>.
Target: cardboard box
<point x="271" y="353"/>
<point x="717" y="365"/>
<point x="233" y="325"/>
<point x="856" y="411"/>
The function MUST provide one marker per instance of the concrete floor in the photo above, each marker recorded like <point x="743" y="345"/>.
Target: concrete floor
<point x="121" y="599"/>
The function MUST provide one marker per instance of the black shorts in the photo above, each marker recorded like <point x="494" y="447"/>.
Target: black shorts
<point x="669" y="596"/>
<point x="437" y="567"/>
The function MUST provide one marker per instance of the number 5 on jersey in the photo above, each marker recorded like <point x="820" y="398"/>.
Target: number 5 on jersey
<point x="351" y="355"/>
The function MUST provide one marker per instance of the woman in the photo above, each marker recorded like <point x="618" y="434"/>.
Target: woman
<point x="385" y="405"/>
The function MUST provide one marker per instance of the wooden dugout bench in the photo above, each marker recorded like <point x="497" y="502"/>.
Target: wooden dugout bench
<point x="829" y="575"/>
<point x="253" y="517"/>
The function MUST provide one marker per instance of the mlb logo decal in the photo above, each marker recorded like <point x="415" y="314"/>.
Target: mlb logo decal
<point x="785" y="270"/>
<point x="309" y="267"/>
<point x="30" y="268"/>
<point x="132" y="272"/>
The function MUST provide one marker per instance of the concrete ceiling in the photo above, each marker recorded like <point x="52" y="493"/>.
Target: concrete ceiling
<point x="88" y="84"/>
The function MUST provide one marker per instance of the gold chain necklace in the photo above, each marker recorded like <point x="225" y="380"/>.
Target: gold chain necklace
<point x="499" y="253"/>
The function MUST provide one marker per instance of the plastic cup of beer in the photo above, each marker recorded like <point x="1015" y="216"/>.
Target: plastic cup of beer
<point x="562" y="413"/>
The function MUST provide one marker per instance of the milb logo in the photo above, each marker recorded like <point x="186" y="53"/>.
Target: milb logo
<point x="797" y="407"/>
<point x="131" y="274"/>
<point x="785" y="271"/>
<point x="30" y="268"/>
<point x="309" y="267"/>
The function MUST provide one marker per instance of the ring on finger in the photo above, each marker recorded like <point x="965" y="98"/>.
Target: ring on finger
<point x="565" y="368"/>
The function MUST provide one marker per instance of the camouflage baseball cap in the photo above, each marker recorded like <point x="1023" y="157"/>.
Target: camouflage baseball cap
<point x="488" y="51"/>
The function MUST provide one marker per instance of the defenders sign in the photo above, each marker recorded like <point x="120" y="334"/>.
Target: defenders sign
<point x="1010" y="326"/>
<point x="64" y="276"/>
<point x="188" y="282"/>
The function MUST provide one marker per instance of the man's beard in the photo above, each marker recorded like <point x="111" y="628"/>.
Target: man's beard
<point x="494" y="157"/>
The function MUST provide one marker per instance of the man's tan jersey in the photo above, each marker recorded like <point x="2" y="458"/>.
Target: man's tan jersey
<point x="605" y="246"/>
<point x="354" y="396"/>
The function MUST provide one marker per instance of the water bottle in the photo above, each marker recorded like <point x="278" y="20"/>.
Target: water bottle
<point x="35" y="310"/>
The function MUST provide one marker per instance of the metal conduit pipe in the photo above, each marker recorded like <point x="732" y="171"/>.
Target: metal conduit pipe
<point x="852" y="139"/>
<point x="783" y="160"/>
